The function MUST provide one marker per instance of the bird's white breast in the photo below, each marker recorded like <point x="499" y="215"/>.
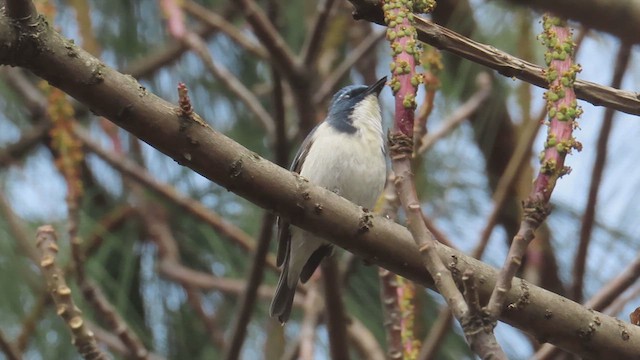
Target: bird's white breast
<point x="352" y="165"/>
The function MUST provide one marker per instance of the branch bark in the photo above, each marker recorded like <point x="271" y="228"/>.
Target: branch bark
<point x="194" y="144"/>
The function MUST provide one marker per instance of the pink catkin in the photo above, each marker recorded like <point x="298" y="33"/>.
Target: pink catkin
<point x="559" y="130"/>
<point x="405" y="115"/>
<point x="404" y="69"/>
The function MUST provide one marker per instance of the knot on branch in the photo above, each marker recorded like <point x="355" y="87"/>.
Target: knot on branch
<point x="476" y="322"/>
<point x="400" y="145"/>
<point x="535" y="210"/>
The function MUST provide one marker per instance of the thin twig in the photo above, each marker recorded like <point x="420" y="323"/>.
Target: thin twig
<point x="94" y="295"/>
<point x="314" y="40"/>
<point x="106" y="225"/>
<point x="333" y="79"/>
<point x="363" y="341"/>
<point x="10" y="351"/>
<point x="580" y="259"/>
<point x="219" y="23"/>
<point x="84" y="339"/>
<point x="266" y="32"/>
<point x="194" y="298"/>
<point x="18" y="230"/>
<point x="281" y="141"/>
<point x="30" y="323"/>
<point x="282" y="57"/>
<point x="615" y="287"/>
<point x="336" y="318"/>
<point x="508" y="178"/>
<point x="204" y="281"/>
<point x="248" y="298"/>
<point x="29" y="139"/>
<point x="437" y="232"/>
<point x="114" y="343"/>
<point x="230" y="81"/>
<point x="147" y="66"/>
<point x="177" y="29"/>
<point x="436" y="335"/>
<point x="481" y="342"/>
<point x="483" y="82"/>
<point x="171" y="267"/>
<point x="312" y="312"/>
<point x="193" y="207"/>
<point x="618" y="305"/>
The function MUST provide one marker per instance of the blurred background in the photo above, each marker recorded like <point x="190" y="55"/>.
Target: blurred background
<point x="173" y="252"/>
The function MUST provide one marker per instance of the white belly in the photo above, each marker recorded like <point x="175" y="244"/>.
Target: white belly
<point x="351" y="165"/>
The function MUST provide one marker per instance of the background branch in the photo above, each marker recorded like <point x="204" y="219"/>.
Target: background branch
<point x="248" y="298"/>
<point x="588" y="218"/>
<point x="84" y="339"/>
<point x="10" y="351"/>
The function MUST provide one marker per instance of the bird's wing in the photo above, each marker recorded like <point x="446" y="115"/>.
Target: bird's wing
<point x="284" y="234"/>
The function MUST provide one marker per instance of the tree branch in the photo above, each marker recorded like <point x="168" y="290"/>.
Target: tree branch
<point x="83" y="338"/>
<point x="510" y="66"/>
<point x="332" y="81"/>
<point x="235" y="86"/>
<point x="437" y="334"/>
<point x="10" y="351"/>
<point x="335" y="316"/>
<point x="314" y="40"/>
<point x="588" y="218"/>
<point x="248" y="298"/>
<point x="219" y="23"/>
<point x="29" y="140"/>
<point x="148" y="65"/>
<point x="94" y="295"/>
<point x="284" y="59"/>
<point x="517" y="161"/>
<point x="462" y="112"/>
<point x="195" y="208"/>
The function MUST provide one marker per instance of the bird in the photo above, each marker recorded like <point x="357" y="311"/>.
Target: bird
<point x="345" y="154"/>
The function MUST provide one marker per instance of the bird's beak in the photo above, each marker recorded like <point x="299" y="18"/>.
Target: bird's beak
<point x="377" y="87"/>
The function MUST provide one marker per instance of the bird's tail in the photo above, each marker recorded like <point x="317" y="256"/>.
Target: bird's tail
<point x="283" y="299"/>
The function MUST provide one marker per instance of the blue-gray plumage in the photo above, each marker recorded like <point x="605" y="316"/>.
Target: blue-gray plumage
<point x="344" y="154"/>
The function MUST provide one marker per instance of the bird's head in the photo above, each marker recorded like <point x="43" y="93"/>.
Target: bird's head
<point x="355" y="104"/>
